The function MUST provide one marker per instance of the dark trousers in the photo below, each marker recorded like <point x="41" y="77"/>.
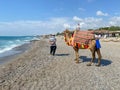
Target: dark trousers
<point x="53" y="50"/>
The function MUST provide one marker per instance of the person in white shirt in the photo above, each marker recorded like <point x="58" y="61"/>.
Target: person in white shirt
<point x="53" y="46"/>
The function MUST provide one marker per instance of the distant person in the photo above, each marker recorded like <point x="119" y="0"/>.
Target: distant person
<point x="105" y="36"/>
<point x="53" y="46"/>
<point x="78" y="27"/>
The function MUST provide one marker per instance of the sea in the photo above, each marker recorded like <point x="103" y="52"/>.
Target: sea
<point x="9" y="43"/>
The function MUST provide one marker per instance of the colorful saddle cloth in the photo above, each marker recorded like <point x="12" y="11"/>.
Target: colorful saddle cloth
<point x="82" y="38"/>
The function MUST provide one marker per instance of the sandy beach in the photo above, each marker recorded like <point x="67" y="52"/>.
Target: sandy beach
<point x="36" y="69"/>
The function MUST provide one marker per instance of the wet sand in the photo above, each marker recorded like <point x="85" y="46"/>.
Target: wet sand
<point x="35" y="69"/>
<point x="7" y="56"/>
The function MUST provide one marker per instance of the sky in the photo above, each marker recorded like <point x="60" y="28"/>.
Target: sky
<point x="38" y="17"/>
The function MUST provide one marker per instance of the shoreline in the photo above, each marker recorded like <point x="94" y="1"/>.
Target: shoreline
<point x="7" y="56"/>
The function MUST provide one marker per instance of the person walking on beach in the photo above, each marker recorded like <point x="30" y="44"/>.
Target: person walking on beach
<point x="53" y="46"/>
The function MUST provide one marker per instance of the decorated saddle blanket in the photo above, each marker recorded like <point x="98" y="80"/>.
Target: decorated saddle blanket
<point x="82" y="37"/>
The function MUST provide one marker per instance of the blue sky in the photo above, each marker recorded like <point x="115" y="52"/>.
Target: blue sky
<point x="34" y="17"/>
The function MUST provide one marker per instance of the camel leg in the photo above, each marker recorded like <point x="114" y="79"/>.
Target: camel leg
<point x="99" y="57"/>
<point x="93" y="58"/>
<point x="77" y="55"/>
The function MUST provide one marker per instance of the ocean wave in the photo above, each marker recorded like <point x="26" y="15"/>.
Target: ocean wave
<point x="2" y="50"/>
<point x="7" y="44"/>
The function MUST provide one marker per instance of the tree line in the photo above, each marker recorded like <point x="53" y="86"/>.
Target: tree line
<point x="112" y="28"/>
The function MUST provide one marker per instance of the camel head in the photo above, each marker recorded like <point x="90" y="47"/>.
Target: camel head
<point x="67" y="35"/>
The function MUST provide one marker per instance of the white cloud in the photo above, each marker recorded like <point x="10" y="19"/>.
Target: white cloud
<point x="114" y="21"/>
<point x="77" y="19"/>
<point x="88" y="23"/>
<point x="54" y="25"/>
<point x="100" y="13"/>
<point x="67" y="26"/>
<point x="91" y="22"/>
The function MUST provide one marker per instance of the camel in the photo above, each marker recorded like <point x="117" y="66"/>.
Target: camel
<point x="91" y="46"/>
